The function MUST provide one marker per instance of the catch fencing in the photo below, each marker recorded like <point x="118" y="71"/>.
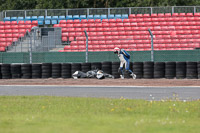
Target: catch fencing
<point x="100" y="11"/>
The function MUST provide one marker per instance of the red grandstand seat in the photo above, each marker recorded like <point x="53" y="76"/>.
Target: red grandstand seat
<point x="56" y="25"/>
<point x="98" y="24"/>
<point x="154" y="15"/>
<point x="111" y="20"/>
<point x="127" y="25"/>
<point x="197" y="14"/>
<point x="71" y="38"/>
<point x="9" y="35"/>
<point x="182" y="14"/>
<point x="70" y="21"/>
<point x="7" y="27"/>
<point x="161" y="15"/>
<point x="79" y="34"/>
<point x="82" y="47"/>
<point x="189" y="14"/>
<point x="119" y="24"/>
<point x="104" y="20"/>
<point x="118" y="20"/>
<point x="76" y="21"/>
<point x="191" y="19"/>
<point x="2" y="49"/>
<point x="78" y="25"/>
<point x="8" y="30"/>
<point x="1" y="23"/>
<point x="3" y="39"/>
<point x="84" y="21"/>
<point x="146" y="15"/>
<point x="107" y="33"/>
<point x="35" y="23"/>
<point x="1" y="27"/>
<point x="14" y="23"/>
<point x="63" y="21"/>
<point x="7" y="23"/>
<point x="147" y="19"/>
<point x="108" y="42"/>
<point x="101" y="37"/>
<point x="139" y="15"/>
<point x="105" y="25"/>
<point x="102" y="42"/>
<point x="126" y="21"/>
<point x="28" y="22"/>
<point x="131" y="16"/>
<point x="92" y="29"/>
<point x="168" y="15"/>
<point x="90" y="20"/>
<point x="15" y="35"/>
<point x="112" y="24"/>
<point x="91" y="25"/>
<point x="64" y="38"/>
<point x="175" y="15"/>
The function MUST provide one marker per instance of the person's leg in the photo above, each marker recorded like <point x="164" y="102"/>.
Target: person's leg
<point x="121" y="72"/>
<point x="129" y="70"/>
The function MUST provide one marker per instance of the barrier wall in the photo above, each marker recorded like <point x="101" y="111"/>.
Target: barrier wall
<point x="136" y="56"/>
<point x="146" y="70"/>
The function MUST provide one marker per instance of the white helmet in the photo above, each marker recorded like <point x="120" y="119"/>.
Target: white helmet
<point x="116" y="50"/>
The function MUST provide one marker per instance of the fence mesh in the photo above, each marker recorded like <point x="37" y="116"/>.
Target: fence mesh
<point x="136" y="56"/>
<point x="101" y="11"/>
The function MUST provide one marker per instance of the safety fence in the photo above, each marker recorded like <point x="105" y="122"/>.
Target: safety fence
<point x="63" y="57"/>
<point x="146" y="70"/>
<point x="101" y="11"/>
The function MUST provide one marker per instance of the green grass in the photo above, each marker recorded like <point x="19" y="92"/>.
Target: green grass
<point x="46" y="114"/>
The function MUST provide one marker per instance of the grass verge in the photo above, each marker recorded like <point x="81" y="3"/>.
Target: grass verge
<point x="47" y="114"/>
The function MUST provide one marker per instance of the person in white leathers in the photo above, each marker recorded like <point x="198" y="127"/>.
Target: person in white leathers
<point x="124" y="58"/>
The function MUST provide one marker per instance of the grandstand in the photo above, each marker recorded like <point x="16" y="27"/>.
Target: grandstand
<point x="172" y="31"/>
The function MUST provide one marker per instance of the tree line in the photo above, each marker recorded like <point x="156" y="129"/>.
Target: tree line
<point x="65" y="4"/>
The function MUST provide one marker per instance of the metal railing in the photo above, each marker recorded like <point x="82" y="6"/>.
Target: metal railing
<point x="100" y="11"/>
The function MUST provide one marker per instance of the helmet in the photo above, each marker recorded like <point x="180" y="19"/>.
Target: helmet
<point x="116" y="50"/>
<point x="100" y="75"/>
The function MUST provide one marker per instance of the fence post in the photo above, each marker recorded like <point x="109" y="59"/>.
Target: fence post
<point x="152" y="50"/>
<point x="86" y="53"/>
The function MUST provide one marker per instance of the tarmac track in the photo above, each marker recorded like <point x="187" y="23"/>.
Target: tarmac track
<point x="128" y="92"/>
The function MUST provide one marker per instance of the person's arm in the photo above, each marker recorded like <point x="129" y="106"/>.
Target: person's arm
<point x="125" y="53"/>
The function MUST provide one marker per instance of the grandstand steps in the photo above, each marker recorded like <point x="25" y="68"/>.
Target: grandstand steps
<point x="24" y="44"/>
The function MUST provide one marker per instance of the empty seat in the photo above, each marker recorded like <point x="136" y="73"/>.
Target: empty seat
<point x="111" y="16"/>
<point x="154" y="15"/>
<point x="13" y="19"/>
<point x="139" y="15"/>
<point x="146" y="15"/>
<point x="124" y="16"/>
<point x="27" y="18"/>
<point x="182" y="14"/>
<point x="90" y="17"/>
<point x="168" y="14"/>
<point x="34" y="18"/>
<point x="103" y="17"/>
<point x="118" y="16"/>
<point x="6" y="19"/>
<point x="75" y="17"/>
<point x="161" y="14"/>
<point x="175" y="15"/>
<point x="68" y="17"/>
<point x="131" y="16"/>
<point x="97" y="17"/>
<point x="61" y="18"/>
<point x="189" y="14"/>
<point x="82" y="17"/>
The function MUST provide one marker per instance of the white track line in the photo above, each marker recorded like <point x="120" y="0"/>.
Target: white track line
<point x="101" y="86"/>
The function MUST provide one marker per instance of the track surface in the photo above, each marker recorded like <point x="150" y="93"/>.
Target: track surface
<point x="129" y="92"/>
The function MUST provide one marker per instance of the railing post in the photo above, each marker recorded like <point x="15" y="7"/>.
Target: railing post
<point x="129" y="10"/>
<point x="88" y="11"/>
<point x="151" y="10"/>
<point x="194" y="9"/>
<point x="86" y="53"/>
<point x="108" y="11"/>
<point x="172" y="9"/>
<point x="152" y="50"/>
